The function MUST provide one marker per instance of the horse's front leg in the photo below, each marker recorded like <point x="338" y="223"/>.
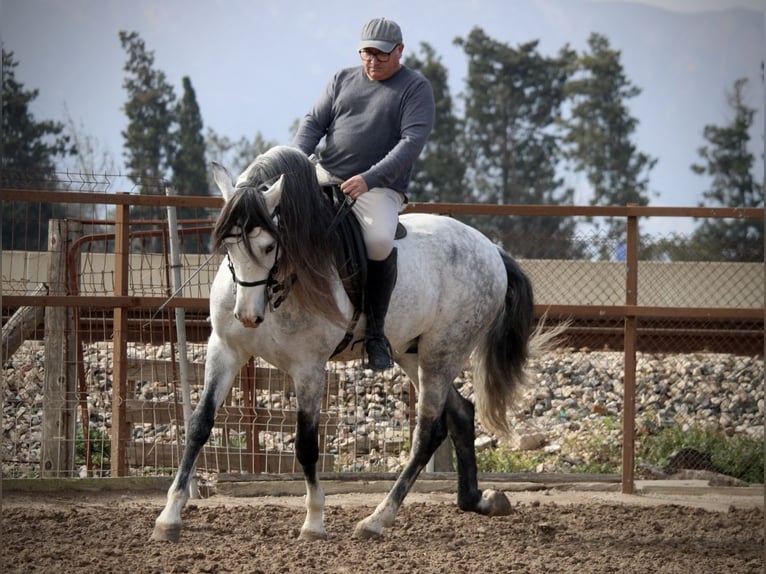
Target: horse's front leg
<point x="220" y="369"/>
<point x="309" y="396"/>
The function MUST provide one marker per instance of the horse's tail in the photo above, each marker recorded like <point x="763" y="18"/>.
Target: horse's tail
<point x="499" y="361"/>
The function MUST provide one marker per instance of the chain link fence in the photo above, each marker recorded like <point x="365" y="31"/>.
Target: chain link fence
<point x="699" y="378"/>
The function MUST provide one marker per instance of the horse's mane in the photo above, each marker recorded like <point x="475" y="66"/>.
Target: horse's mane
<point x="307" y="249"/>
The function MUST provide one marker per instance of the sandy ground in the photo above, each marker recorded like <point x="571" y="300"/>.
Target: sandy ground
<point x="662" y="529"/>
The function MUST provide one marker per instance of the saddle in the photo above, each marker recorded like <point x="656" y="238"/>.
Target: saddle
<point x="355" y="260"/>
<point x="353" y="266"/>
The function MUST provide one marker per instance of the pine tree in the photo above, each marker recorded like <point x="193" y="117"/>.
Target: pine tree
<point x="189" y="168"/>
<point x="29" y="150"/>
<point x="149" y="138"/>
<point x="730" y="164"/>
<point x="600" y="130"/>
<point x="439" y="173"/>
<point x="513" y="98"/>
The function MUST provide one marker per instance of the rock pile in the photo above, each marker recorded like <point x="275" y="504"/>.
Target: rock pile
<point x="572" y="406"/>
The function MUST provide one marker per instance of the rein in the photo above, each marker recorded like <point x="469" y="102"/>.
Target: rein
<point x="178" y="290"/>
<point x="355" y="255"/>
<point x="343" y="210"/>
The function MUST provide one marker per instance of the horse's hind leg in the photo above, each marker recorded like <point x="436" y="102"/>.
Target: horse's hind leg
<point x="460" y="422"/>
<point x="430" y="431"/>
<point x="218" y="379"/>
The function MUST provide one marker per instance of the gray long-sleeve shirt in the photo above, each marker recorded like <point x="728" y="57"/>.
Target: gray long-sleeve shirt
<point x="373" y="128"/>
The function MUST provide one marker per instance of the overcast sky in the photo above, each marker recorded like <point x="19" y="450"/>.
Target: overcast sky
<point x="695" y="5"/>
<point x="258" y="65"/>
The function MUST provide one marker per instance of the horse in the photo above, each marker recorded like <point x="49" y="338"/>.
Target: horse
<point x="282" y="294"/>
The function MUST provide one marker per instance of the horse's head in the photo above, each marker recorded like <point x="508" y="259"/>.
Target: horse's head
<point x="275" y="229"/>
<point x="247" y="230"/>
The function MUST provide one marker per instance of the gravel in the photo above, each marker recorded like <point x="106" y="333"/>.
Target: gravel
<point x="570" y="414"/>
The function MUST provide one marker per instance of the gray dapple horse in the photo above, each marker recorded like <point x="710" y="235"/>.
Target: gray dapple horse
<point x="280" y="296"/>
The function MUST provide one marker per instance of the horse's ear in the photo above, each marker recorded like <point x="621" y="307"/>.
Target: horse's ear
<point x="273" y="195"/>
<point x="222" y="179"/>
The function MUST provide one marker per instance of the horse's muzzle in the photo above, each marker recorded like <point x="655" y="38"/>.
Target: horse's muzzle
<point x="249" y="322"/>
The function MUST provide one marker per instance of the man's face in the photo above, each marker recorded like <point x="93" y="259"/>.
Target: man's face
<point x="380" y="65"/>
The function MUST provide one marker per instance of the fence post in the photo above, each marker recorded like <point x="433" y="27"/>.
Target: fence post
<point x="58" y="429"/>
<point x="120" y="425"/>
<point x="441" y="461"/>
<point x="180" y="312"/>
<point x="629" y="378"/>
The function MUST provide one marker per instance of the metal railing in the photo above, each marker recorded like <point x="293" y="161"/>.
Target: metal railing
<point x="625" y="326"/>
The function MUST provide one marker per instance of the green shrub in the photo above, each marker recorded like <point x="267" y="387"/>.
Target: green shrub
<point x="599" y="451"/>
<point x="100" y="447"/>
<point x="739" y="456"/>
<point x="504" y="460"/>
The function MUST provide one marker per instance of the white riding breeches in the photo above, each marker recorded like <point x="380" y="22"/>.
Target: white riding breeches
<point x="377" y="212"/>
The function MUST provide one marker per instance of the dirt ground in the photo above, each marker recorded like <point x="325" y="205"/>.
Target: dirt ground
<point x="548" y="531"/>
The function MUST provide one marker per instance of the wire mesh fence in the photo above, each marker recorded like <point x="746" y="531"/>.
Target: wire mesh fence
<point x="699" y="379"/>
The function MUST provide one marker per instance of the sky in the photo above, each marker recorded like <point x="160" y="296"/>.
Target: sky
<point x="258" y="65"/>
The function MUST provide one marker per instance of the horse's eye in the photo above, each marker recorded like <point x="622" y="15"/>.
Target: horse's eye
<point x="269" y="249"/>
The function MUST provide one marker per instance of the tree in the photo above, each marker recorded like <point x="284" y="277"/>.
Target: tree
<point x="189" y="168"/>
<point x="439" y="173"/>
<point x="151" y="112"/>
<point x="91" y="157"/>
<point x="29" y="149"/>
<point x="149" y="140"/>
<point x="598" y="135"/>
<point x="513" y="98"/>
<point x="730" y="164"/>
<point x="235" y="155"/>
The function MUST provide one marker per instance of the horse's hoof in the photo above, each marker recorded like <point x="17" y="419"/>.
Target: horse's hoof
<point x="166" y="532"/>
<point x="312" y="535"/>
<point x="495" y="503"/>
<point x="362" y="532"/>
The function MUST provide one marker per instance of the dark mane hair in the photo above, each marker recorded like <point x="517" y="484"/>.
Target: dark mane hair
<point x="306" y="247"/>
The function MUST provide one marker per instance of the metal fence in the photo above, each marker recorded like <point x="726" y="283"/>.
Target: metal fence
<point x="660" y="372"/>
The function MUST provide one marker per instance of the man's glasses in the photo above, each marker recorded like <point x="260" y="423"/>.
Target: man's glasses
<point x="381" y="57"/>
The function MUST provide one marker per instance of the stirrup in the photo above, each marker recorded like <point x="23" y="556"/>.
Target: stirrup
<point x="379" y="355"/>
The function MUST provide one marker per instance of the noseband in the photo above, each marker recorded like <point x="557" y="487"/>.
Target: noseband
<point x="238" y="281"/>
<point x="276" y="291"/>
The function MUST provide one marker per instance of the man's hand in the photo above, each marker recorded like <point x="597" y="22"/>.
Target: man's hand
<point x="354" y="186"/>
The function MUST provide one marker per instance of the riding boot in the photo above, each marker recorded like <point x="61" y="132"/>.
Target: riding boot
<point x="381" y="278"/>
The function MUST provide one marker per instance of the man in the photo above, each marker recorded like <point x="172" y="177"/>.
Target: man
<point x="375" y="119"/>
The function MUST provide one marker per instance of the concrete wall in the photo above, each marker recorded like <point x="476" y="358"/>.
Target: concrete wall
<point x="559" y="282"/>
<point x="676" y="284"/>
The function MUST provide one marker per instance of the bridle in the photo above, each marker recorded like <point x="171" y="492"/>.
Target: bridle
<point x="276" y="291"/>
